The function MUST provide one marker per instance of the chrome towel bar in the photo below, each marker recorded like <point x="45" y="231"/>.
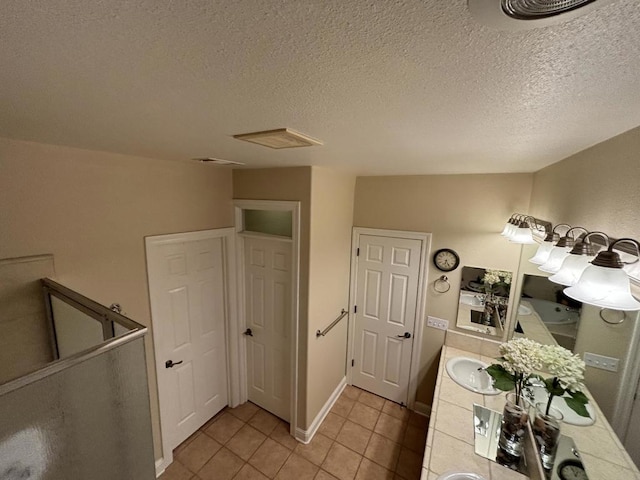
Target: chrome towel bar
<point x="333" y="324"/>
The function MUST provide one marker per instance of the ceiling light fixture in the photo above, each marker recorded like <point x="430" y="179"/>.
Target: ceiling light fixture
<point x="577" y="261"/>
<point x="604" y="283"/>
<point x="526" y="14"/>
<point x="279" y="138"/>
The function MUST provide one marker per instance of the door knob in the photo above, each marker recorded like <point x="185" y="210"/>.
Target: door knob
<point x="404" y="335"/>
<point x="248" y="332"/>
<point x="170" y="364"/>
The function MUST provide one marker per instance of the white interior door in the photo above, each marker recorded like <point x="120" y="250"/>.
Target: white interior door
<point x="387" y="282"/>
<point x="267" y="276"/>
<point x="187" y="289"/>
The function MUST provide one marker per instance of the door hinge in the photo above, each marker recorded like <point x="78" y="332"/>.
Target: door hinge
<point x="358" y="252"/>
<point x="353" y="362"/>
<point x="355" y="309"/>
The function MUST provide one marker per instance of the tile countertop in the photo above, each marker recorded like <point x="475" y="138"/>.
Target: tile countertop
<point x="450" y="442"/>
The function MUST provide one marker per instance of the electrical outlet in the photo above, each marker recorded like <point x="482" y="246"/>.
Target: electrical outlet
<point x="600" y="361"/>
<point x="438" y="323"/>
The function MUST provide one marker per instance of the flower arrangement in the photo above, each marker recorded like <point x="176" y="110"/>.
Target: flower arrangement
<point x="522" y="358"/>
<point x="494" y="279"/>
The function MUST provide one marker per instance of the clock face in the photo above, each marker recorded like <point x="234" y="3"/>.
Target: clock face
<point x="446" y="260"/>
<point x="572" y="470"/>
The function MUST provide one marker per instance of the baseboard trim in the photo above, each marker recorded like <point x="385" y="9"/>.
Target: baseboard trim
<point x="161" y="466"/>
<point x="305" y="436"/>
<point x="422" y="409"/>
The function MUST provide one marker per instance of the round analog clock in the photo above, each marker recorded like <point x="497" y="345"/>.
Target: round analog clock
<point x="571" y="470"/>
<point x="446" y="260"/>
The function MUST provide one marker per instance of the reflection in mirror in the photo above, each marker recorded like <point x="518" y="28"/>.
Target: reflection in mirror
<point x="484" y="299"/>
<point x="545" y="314"/>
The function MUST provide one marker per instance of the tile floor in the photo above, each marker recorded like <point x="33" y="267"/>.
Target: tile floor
<point x="363" y="437"/>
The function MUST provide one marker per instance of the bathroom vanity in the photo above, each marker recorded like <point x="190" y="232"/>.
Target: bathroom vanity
<point x="450" y="441"/>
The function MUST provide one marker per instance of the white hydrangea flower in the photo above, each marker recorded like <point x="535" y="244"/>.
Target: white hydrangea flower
<point x="565" y="366"/>
<point x="521" y="356"/>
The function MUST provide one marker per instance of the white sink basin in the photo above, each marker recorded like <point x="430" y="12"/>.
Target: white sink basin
<point x="469" y="374"/>
<point x="470" y="299"/>
<point x="460" y="476"/>
<point x="568" y="416"/>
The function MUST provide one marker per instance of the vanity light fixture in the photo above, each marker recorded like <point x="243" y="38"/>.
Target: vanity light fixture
<point x="542" y="254"/>
<point x="506" y="231"/>
<point x="523" y="232"/>
<point x="604" y="283"/>
<point x="559" y="252"/>
<point x="578" y="259"/>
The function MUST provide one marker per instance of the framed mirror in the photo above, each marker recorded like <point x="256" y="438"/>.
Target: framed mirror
<point x="484" y="300"/>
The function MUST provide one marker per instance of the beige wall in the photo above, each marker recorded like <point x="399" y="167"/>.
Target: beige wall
<point x="286" y="184"/>
<point x="463" y="212"/>
<point x="92" y="210"/>
<point x="329" y="265"/>
<point x="597" y="189"/>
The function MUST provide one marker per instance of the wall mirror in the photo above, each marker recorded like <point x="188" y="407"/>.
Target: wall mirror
<point x="484" y="300"/>
<point x="545" y="314"/>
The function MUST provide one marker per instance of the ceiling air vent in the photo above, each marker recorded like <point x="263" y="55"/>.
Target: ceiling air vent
<point x="279" y="138"/>
<point x="217" y="161"/>
<point x="526" y="14"/>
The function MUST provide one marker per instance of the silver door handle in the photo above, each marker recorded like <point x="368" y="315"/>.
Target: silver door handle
<point x="404" y="335"/>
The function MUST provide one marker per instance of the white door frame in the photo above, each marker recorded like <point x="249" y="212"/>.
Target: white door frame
<point x="425" y="239"/>
<point x="230" y="323"/>
<point x="294" y="208"/>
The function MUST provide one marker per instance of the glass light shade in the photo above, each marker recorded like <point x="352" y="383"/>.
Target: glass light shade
<point x="604" y="287"/>
<point x="542" y="254"/>
<point x="571" y="269"/>
<point x="506" y="228"/>
<point x="522" y="235"/>
<point x="556" y="257"/>
<point x="511" y="230"/>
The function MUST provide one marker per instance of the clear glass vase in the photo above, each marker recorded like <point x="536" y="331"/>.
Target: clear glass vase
<point x="546" y="431"/>
<point x="514" y="426"/>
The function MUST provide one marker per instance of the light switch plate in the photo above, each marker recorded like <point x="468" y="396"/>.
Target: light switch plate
<point x="439" y="323"/>
<point x="600" y="361"/>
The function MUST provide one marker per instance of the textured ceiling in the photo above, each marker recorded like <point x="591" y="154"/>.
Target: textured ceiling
<point x="390" y="87"/>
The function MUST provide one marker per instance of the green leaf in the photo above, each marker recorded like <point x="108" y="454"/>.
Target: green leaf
<point x="553" y="387"/>
<point x="503" y="380"/>
<point x="581" y="397"/>
<point x="577" y="406"/>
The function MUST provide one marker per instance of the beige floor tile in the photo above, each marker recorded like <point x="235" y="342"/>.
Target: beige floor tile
<point x="176" y="471"/>
<point x="246" y="442"/>
<point x="343" y="406"/>
<point x="352" y="392"/>
<point x="383" y="451"/>
<point x="396" y="410"/>
<point x="297" y="468"/>
<point x="264" y="421"/>
<point x="364" y="415"/>
<point x="249" y="473"/>
<point x="224" y="428"/>
<point x="270" y="457"/>
<point x="390" y="427"/>
<point x="184" y="444"/>
<point x="371" y="400"/>
<point x="198" y="452"/>
<point x="342" y="462"/>
<point x="415" y="438"/>
<point x="223" y="466"/>
<point x="316" y="450"/>
<point x="409" y="464"/>
<point x="354" y="436"/>
<point x="331" y="425"/>
<point x="372" y="471"/>
<point x="244" y="412"/>
<point x="322" y="475"/>
<point x="281" y="435"/>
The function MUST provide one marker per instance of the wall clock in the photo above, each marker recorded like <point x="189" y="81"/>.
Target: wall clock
<point x="572" y="470"/>
<point x="446" y="259"/>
